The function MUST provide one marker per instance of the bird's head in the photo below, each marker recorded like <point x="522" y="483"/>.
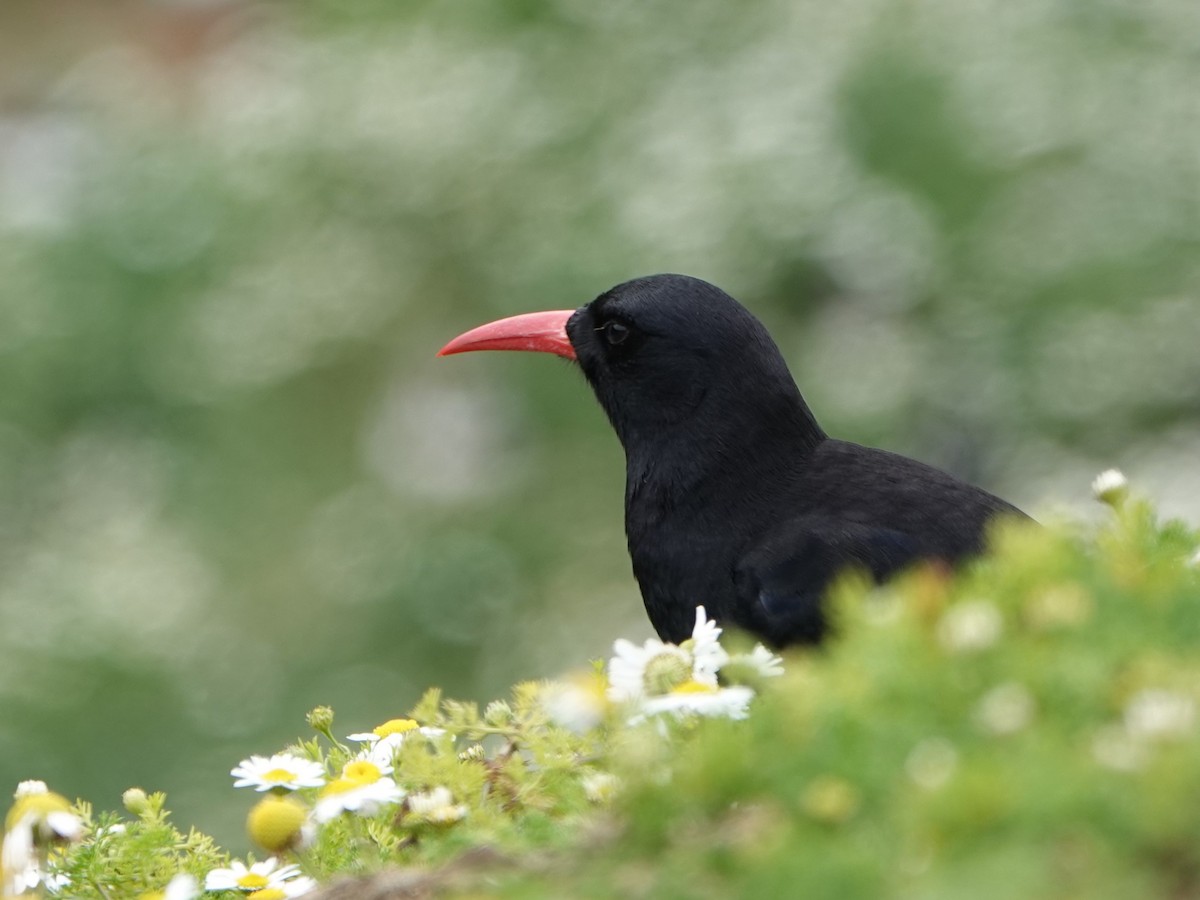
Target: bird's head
<point x="660" y="352"/>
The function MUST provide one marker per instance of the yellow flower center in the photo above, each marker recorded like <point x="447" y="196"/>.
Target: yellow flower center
<point x="693" y="687"/>
<point x="153" y="895"/>
<point x="395" y="726"/>
<point x="361" y="771"/>
<point x="340" y="786"/>
<point x="279" y="775"/>
<point x="665" y="672"/>
<point x="252" y="881"/>
<point x="269" y="894"/>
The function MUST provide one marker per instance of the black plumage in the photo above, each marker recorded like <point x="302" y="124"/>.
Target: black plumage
<point x="735" y="499"/>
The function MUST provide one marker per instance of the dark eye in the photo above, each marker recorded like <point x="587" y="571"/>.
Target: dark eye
<point x="614" y="332"/>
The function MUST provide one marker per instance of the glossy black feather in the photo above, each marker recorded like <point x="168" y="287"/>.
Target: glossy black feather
<point x="735" y="498"/>
<point x="782" y="578"/>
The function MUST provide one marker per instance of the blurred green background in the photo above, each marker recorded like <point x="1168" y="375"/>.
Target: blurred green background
<point x="235" y="482"/>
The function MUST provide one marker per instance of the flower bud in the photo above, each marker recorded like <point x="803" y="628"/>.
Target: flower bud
<point x="1111" y="487"/>
<point x="498" y="713"/>
<point x="275" y="823"/>
<point x="320" y="719"/>
<point x="473" y="753"/>
<point x="135" y="801"/>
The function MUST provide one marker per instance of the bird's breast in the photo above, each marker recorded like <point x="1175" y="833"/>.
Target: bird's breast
<point x="680" y="562"/>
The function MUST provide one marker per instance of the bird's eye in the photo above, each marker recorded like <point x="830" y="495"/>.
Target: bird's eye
<point x="615" y="332"/>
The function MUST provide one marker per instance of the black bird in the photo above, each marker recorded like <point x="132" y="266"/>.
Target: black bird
<point x="735" y="499"/>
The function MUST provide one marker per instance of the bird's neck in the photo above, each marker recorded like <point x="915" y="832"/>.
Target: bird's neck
<point x="730" y="438"/>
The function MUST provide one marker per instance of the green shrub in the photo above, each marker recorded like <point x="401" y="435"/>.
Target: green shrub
<point x="1028" y="728"/>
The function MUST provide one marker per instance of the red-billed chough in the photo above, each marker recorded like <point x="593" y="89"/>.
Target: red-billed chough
<point x="735" y="499"/>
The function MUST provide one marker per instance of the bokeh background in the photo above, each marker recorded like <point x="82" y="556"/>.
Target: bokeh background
<point x="235" y="482"/>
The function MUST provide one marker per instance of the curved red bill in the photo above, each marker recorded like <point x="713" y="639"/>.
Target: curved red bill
<point x="541" y="332"/>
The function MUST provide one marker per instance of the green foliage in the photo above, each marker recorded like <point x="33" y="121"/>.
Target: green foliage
<point x="1030" y="728"/>
<point x="124" y="857"/>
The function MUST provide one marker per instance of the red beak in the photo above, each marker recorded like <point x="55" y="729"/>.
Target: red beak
<point x="543" y="332"/>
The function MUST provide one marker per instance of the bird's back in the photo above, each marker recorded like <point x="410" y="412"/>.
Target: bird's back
<point x="763" y="558"/>
<point x="946" y="517"/>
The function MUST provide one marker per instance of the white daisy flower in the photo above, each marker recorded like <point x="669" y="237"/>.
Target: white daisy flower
<point x="578" y="704"/>
<point x="182" y="887"/>
<point x="297" y="887"/>
<point x="436" y="806"/>
<point x="394" y="727"/>
<point x="260" y="875"/>
<point x="653" y="668"/>
<point x="279" y="772"/>
<point x="382" y="752"/>
<point x="363" y="798"/>
<point x="762" y="662"/>
<point x="365" y="770"/>
<point x="38" y="818"/>
<point x="705" y="646"/>
<point x="600" y="787"/>
<point x="384" y="740"/>
<point x="694" y="698"/>
<point x="18" y="862"/>
<point x="657" y="669"/>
